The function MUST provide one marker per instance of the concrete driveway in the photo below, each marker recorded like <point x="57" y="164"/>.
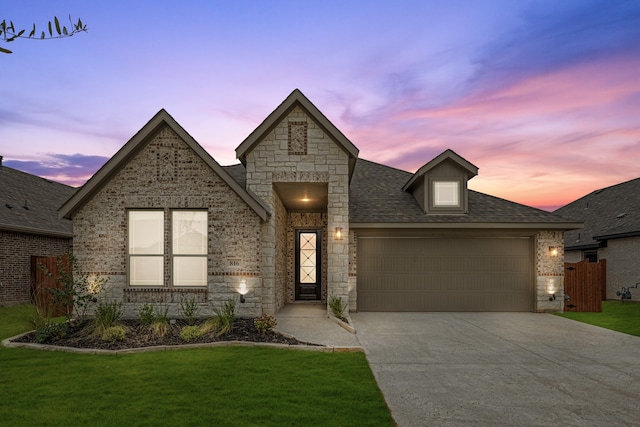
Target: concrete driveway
<point x="501" y="369"/>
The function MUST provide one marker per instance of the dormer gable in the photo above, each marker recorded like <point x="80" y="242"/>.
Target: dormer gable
<point x="440" y="186"/>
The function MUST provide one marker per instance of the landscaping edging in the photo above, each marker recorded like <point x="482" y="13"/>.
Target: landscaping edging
<point x="324" y="349"/>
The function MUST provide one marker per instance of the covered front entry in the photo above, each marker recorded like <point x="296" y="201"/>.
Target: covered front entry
<point x="308" y="264"/>
<point x="445" y="274"/>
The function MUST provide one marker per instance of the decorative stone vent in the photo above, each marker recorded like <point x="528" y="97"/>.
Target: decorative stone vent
<point x="298" y="138"/>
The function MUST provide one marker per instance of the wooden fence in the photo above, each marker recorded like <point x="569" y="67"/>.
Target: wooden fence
<point x="586" y="284"/>
<point x="41" y="282"/>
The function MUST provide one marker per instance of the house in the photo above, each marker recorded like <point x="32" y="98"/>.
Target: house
<point x="29" y="227"/>
<point x="302" y="218"/>
<point x="611" y="231"/>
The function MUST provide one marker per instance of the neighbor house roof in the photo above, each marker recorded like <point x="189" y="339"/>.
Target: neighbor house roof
<point x="608" y="213"/>
<point x="377" y="199"/>
<point x="28" y="204"/>
<point x="297" y="99"/>
<point x="137" y="143"/>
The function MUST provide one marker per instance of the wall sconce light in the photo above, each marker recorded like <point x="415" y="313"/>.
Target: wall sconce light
<point x="553" y="250"/>
<point x="338" y="233"/>
<point x="243" y="291"/>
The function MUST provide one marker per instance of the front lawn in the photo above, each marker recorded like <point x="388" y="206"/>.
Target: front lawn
<point x="621" y="317"/>
<point x="225" y="386"/>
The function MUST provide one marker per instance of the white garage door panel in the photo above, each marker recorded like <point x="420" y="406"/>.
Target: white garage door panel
<point x="420" y="274"/>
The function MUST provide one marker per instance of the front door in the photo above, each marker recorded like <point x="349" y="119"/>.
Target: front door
<point x="308" y="265"/>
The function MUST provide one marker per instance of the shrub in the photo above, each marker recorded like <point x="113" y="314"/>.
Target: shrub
<point x="160" y="326"/>
<point x="114" y="333"/>
<point x="337" y="306"/>
<point x="191" y="333"/>
<point x="265" y="323"/>
<point x="41" y="313"/>
<point x="107" y="315"/>
<point x="146" y="315"/>
<point x="189" y="311"/>
<point x="51" y="332"/>
<point x="225" y="316"/>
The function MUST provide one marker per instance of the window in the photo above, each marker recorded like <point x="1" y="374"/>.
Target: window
<point x="446" y="194"/>
<point x="146" y="248"/>
<point x="188" y="248"/>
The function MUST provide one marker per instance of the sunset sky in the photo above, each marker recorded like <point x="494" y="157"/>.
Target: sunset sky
<point x="542" y="96"/>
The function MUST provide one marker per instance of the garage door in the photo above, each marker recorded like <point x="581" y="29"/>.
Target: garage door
<point x="462" y="274"/>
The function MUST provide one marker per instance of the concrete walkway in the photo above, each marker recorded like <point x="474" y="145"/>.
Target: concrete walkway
<point x="501" y="369"/>
<point x="309" y="322"/>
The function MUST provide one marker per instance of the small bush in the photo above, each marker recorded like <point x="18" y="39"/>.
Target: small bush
<point x="191" y="333"/>
<point x="190" y="311"/>
<point x="265" y="323"/>
<point x="337" y="306"/>
<point x="41" y="314"/>
<point x="51" y="332"/>
<point x="225" y="316"/>
<point x="107" y="314"/>
<point x="114" y="333"/>
<point x="146" y="315"/>
<point x="160" y="326"/>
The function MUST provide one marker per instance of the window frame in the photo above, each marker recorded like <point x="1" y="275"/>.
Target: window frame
<point x="459" y="208"/>
<point x="173" y="256"/>
<point x="131" y="255"/>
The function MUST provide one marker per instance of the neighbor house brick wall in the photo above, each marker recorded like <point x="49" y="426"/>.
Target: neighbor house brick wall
<point x="623" y="265"/>
<point x="549" y="271"/>
<point x="166" y="174"/>
<point x="16" y="250"/>
<point x="573" y="256"/>
<point x="271" y="161"/>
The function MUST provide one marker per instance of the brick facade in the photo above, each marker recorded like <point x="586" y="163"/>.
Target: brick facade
<point x="16" y="250"/>
<point x="167" y="174"/>
<point x="623" y="265"/>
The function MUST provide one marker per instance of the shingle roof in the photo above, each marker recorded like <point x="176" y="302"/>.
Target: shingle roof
<point x="29" y="204"/>
<point x="607" y="213"/>
<point x="376" y="196"/>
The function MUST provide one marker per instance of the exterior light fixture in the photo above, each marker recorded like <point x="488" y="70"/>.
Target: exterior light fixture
<point x="553" y="250"/>
<point x="243" y="291"/>
<point x="338" y="233"/>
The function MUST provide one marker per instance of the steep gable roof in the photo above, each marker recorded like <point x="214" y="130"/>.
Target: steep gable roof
<point x="28" y="204"/>
<point x="137" y="143"/>
<point x="448" y="154"/>
<point x="377" y="199"/>
<point x="297" y="98"/>
<point x="608" y="213"/>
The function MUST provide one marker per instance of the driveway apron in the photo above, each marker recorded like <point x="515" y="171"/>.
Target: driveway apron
<point x="501" y="369"/>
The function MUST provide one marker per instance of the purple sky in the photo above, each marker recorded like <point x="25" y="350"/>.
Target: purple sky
<point x="542" y="96"/>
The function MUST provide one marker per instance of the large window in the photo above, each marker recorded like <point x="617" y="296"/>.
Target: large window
<point x="189" y="251"/>
<point x="188" y="256"/>
<point x="446" y="194"/>
<point x="146" y="248"/>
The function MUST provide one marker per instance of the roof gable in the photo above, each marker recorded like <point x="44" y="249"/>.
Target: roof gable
<point x="137" y="143"/>
<point x="448" y="155"/>
<point x="297" y="98"/>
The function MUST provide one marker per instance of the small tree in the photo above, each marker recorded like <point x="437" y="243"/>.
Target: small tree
<point x="77" y="290"/>
<point x="9" y="33"/>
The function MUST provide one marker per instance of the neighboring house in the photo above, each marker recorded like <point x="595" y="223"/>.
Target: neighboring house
<point x="611" y="231"/>
<point x="29" y="226"/>
<point x="302" y="218"/>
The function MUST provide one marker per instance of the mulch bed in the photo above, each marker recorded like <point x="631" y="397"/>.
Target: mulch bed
<point x="139" y="335"/>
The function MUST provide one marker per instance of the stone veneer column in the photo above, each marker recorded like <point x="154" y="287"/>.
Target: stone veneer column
<point x="549" y="272"/>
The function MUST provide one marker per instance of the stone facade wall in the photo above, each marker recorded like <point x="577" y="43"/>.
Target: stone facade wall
<point x="16" y="250"/>
<point x="281" y="254"/>
<point x="168" y="175"/>
<point x="353" y="271"/>
<point x="311" y="157"/>
<point x="305" y="220"/>
<point x="549" y="271"/>
<point x="623" y="265"/>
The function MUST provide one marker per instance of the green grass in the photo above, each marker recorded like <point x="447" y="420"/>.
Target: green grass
<point x="615" y="315"/>
<point x="232" y="386"/>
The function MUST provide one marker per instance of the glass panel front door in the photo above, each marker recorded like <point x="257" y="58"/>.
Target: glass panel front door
<point x="308" y="256"/>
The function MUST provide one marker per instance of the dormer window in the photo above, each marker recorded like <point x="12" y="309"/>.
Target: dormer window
<point x="446" y="194"/>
